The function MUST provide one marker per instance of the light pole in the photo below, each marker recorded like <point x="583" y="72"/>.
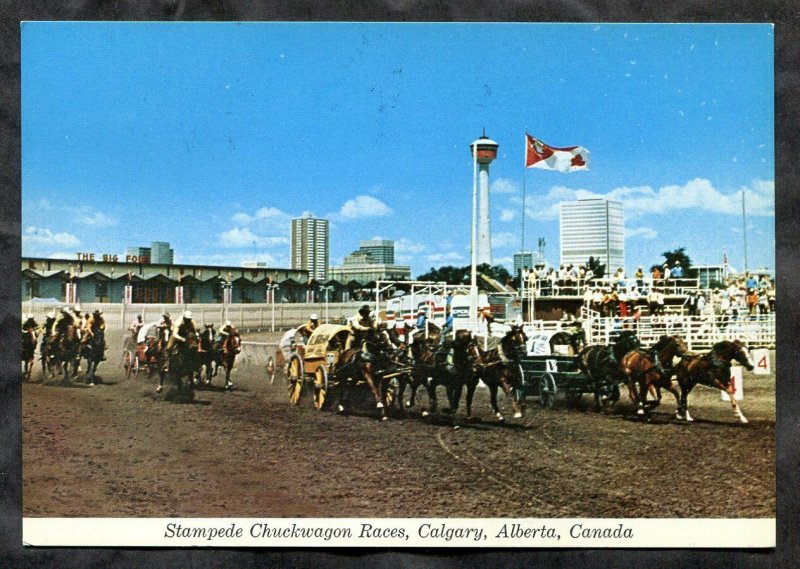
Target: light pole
<point x="327" y="289"/>
<point x="271" y="288"/>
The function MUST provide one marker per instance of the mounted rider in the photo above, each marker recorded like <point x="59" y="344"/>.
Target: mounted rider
<point x="94" y="323"/>
<point x="420" y="324"/>
<point x="49" y="321"/>
<point x="165" y="326"/>
<point x="29" y="323"/>
<point x="360" y="325"/>
<point x="135" y="327"/>
<point x="308" y="328"/>
<point x="80" y="317"/>
<point x="184" y="331"/>
<point x="227" y="330"/>
<point x="66" y="318"/>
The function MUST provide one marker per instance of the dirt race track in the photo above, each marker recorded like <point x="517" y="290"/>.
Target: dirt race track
<point x="118" y="449"/>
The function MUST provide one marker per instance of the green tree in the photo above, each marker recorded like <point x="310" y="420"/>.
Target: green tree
<point x="597" y="268"/>
<point x="678" y="256"/>
<point x="461" y="275"/>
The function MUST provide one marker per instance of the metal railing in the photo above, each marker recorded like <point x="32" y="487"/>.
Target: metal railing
<point x="699" y="332"/>
<point x="574" y="287"/>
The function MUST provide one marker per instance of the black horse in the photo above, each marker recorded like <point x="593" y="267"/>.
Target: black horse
<point x="93" y="350"/>
<point x="504" y="372"/>
<point x="27" y="352"/>
<point x="182" y="363"/>
<point x="208" y="357"/>
<point x="602" y="365"/>
<point x="575" y="340"/>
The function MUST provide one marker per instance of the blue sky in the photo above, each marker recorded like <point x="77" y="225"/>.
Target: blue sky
<point x="213" y="136"/>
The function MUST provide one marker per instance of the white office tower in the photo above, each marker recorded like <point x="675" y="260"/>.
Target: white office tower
<point x="593" y="228"/>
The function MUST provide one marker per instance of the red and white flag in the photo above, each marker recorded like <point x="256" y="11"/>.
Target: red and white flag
<point x="540" y="155"/>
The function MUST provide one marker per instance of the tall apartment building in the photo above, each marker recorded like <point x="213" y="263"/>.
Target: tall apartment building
<point x="592" y="228"/>
<point x="310" y="246"/>
<point x="381" y="250"/>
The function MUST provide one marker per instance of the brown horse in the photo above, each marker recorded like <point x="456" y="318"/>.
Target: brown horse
<point x="504" y="372"/>
<point x="651" y="370"/>
<point x="712" y="370"/>
<point x="355" y="365"/>
<point x="231" y="346"/>
<point x="28" y="351"/>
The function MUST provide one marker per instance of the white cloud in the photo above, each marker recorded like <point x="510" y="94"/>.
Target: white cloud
<point x="503" y="186"/>
<point x="364" y="206"/>
<point x="96" y="219"/>
<point x="504" y="239"/>
<point x="263" y="213"/>
<point x="407" y="246"/>
<point x="507" y="214"/>
<point x="698" y="194"/>
<point x="41" y="236"/>
<point x="641" y="232"/>
<point x="444" y="257"/>
<point x="245" y="238"/>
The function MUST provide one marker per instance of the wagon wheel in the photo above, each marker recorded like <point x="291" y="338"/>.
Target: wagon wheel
<point x="320" y="386"/>
<point x="295" y="379"/>
<point x="271" y="370"/>
<point x="127" y="363"/>
<point x="547" y="390"/>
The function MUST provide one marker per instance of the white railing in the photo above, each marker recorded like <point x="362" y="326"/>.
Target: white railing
<point x="543" y="287"/>
<point x="699" y="332"/>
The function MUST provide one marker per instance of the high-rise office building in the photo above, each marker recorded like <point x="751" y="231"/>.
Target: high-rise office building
<point x="161" y="254"/>
<point x="381" y="250"/>
<point x="593" y="228"/>
<point x="310" y="246"/>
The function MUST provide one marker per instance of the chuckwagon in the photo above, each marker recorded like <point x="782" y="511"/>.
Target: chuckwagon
<point x="317" y="367"/>
<point x="287" y="345"/>
<point x="547" y="370"/>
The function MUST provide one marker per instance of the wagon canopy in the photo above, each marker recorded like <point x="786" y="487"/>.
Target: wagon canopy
<point x="327" y="337"/>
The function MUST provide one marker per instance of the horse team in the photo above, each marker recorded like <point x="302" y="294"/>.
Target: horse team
<point x="459" y="363"/>
<point x="189" y="363"/>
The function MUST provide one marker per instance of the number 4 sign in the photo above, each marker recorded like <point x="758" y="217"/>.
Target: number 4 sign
<point x="761" y="361"/>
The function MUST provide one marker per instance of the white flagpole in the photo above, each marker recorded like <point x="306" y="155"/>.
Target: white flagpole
<point x="474" y="269"/>
<point x="524" y="176"/>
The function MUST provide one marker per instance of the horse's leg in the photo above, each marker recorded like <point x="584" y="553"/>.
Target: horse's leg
<point x="493" y="385"/>
<point x="471" y="386"/>
<point x="430" y="387"/>
<point x="735" y="406"/>
<point x="454" y="392"/>
<point x="228" y="368"/>
<point x="509" y="391"/>
<point x="683" y="409"/>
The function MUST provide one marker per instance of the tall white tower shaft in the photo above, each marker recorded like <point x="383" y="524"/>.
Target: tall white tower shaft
<point x="484" y="223"/>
